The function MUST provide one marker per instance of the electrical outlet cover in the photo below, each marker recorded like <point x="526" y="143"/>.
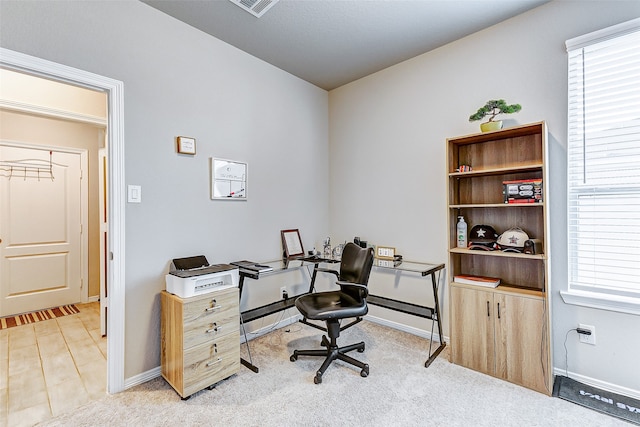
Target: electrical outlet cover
<point x="588" y="339"/>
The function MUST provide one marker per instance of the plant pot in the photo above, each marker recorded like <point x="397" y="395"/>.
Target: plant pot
<point x="489" y="126"/>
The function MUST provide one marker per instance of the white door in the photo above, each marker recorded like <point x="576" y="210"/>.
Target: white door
<point x="40" y="229"/>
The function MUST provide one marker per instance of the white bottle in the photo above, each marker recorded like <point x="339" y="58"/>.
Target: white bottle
<point x="462" y="232"/>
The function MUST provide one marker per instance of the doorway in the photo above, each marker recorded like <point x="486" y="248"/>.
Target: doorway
<point x="43" y="247"/>
<point x="115" y="271"/>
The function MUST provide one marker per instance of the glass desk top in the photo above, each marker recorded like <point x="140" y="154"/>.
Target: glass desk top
<point x="422" y="268"/>
<point x="281" y="265"/>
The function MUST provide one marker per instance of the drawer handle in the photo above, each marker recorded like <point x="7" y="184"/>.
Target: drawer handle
<point x="213" y="362"/>
<point x="215" y="307"/>
<point x="215" y="328"/>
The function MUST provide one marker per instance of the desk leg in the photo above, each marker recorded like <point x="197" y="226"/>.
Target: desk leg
<point x="432" y="356"/>
<point x="249" y="364"/>
<point x="312" y="285"/>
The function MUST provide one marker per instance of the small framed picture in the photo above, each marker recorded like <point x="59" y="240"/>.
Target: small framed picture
<point x="291" y="243"/>
<point x="186" y="145"/>
<point x="228" y="180"/>
<point x="385" y="252"/>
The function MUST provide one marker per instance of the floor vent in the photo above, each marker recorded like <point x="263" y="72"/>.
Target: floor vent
<point x="255" y="7"/>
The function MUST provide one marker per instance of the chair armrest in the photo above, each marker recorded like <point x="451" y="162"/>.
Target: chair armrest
<point x="364" y="291"/>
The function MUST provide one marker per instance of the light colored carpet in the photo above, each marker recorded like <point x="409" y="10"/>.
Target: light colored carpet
<point x="398" y="392"/>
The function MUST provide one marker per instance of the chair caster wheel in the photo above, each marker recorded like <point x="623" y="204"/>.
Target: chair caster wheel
<point x="318" y="378"/>
<point x="365" y="372"/>
<point x="293" y="358"/>
<point x="361" y="350"/>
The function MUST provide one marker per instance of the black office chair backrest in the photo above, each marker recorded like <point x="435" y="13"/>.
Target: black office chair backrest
<point x="355" y="265"/>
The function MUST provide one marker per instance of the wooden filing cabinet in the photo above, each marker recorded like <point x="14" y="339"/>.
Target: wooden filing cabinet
<point x="200" y="339"/>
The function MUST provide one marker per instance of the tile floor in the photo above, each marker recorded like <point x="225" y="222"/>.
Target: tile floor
<point x="51" y="367"/>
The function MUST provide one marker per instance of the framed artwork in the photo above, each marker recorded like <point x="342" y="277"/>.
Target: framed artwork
<point x="186" y="145"/>
<point x="291" y="243"/>
<point x="228" y="180"/>
<point x="385" y="252"/>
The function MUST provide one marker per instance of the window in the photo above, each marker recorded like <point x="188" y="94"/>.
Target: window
<point x="604" y="169"/>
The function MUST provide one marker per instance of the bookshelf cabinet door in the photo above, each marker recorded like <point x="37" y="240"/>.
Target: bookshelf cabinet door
<point x="521" y="352"/>
<point x="472" y="329"/>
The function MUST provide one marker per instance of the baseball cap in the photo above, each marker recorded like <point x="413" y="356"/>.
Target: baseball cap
<point x="482" y="237"/>
<point x="512" y="240"/>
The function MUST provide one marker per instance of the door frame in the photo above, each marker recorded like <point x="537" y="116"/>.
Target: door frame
<point x="115" y="193"/>
<point x="84" y="206"/>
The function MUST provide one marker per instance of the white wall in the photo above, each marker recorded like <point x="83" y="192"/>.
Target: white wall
<point x="387" y="156"/>
<point x="180" y="81"/>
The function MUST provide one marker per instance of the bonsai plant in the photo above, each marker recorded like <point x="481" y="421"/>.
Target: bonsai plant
<point x="492" y="109"/>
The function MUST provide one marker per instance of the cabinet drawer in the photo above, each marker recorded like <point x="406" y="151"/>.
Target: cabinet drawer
<point x="208" y="363"/>
<point x="205" y="309"/>
<point x="211" y="328"/>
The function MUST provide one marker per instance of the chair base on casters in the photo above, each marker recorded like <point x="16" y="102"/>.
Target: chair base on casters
<point x="333" y="352"/>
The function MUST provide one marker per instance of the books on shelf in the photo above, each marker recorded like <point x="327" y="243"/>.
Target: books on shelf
<point x="252" y="266"/>
<point x="489" y="282"/>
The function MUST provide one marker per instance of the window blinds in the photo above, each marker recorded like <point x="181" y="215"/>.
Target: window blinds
<point x="604" y="162"/>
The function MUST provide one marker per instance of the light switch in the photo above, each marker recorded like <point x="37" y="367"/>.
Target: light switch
<point x="134" y="194"/>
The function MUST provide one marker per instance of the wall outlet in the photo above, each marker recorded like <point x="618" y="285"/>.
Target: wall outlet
<point x="588" y="339"/>
<point x="283" y="292"/>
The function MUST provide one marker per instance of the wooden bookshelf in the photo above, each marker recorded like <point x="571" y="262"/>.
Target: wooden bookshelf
<point x="502" y="331"/>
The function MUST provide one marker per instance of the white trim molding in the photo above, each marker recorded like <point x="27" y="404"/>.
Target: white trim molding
<point x="602" y="301"/>
<point x="603" y="34"/>
<point x="39" y="110"/>
<point x="116" y="236"/>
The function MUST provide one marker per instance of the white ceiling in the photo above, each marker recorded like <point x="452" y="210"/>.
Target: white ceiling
<point x="333" y="42"/>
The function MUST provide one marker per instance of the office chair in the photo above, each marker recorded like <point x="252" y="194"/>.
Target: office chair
<point x="332" y="306"/>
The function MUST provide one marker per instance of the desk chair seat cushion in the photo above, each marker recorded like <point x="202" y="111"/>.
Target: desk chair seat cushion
<point x="331" y="305"/>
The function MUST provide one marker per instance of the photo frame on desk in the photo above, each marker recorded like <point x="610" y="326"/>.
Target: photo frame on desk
<point x="291" y="243"/>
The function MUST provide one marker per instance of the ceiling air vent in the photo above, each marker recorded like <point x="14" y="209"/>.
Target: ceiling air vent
<point x="255" y="7"/>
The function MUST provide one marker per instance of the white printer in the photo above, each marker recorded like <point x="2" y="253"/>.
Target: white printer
<point x="194" y="276"/>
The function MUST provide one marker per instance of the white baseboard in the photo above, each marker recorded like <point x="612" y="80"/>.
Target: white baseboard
<point x="94" y="298"/>
<point x="593" y="382"/>
<point x="142" y="378"/>
<point x="404" y="328"/>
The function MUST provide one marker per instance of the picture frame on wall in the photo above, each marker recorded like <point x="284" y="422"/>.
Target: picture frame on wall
<point x="291" y="243"/>
<point x="228" y="179"/>
<point x="186" y="145"/>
